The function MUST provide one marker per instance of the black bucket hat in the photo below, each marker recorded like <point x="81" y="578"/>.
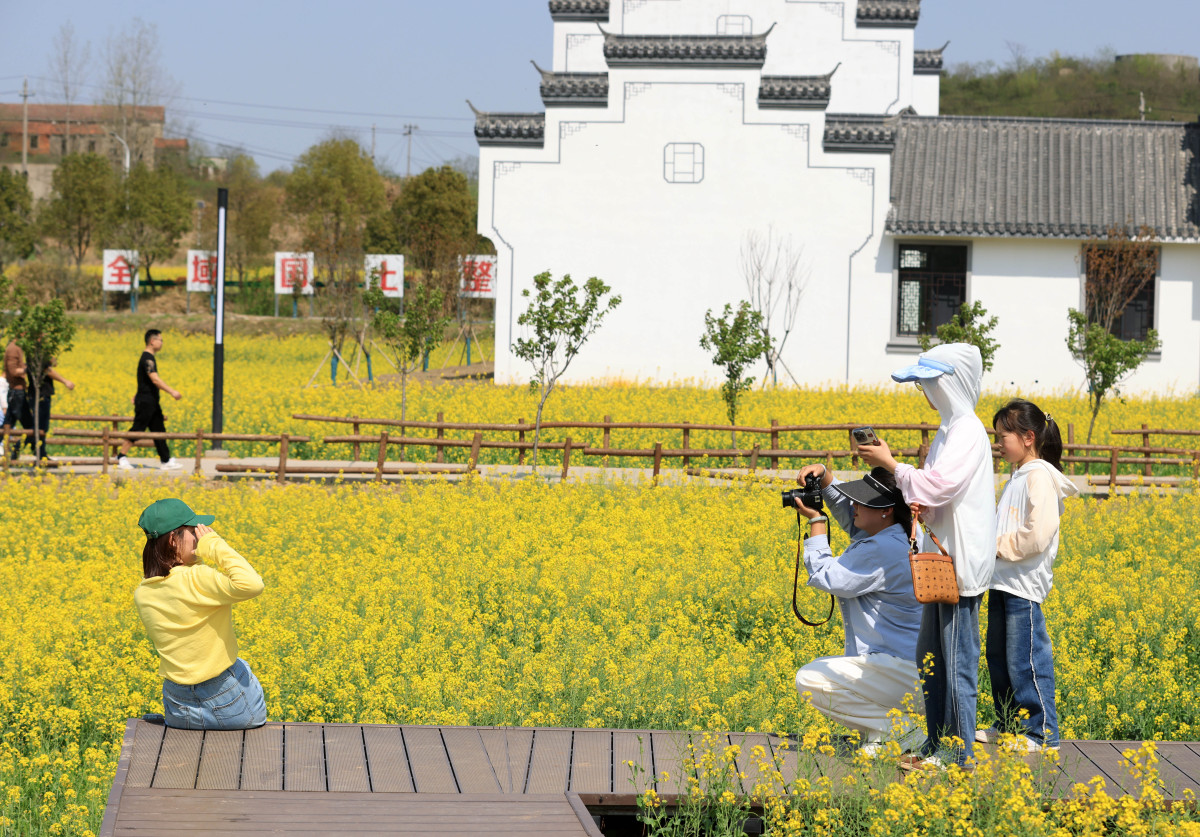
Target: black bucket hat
<point x="870" y="492"/>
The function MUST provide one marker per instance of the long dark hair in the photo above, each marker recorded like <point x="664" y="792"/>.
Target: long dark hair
<point x="900" y="511"/>
<point x="160" y="554"/>
<point x="1021" y="416"/>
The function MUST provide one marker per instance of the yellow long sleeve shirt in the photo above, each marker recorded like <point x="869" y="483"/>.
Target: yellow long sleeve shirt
<point x="188" y="614"/>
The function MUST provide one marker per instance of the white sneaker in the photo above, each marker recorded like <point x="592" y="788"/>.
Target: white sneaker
<point x="124" y="464"/>
<point x="987" y="736"/>
<point x="171" y="465"/>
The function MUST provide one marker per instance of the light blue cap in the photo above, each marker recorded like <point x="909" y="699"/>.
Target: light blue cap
<point x="924" y="369"/>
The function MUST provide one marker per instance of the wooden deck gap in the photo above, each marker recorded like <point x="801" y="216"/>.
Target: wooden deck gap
<point x="612" y="762"/>
<point x="366" y="759"/>
<point x="199" y="759"/>
<point x="653" y="766"/>
<point x="324" y="759"/>
<point x="412" y="777"/>
<point x="529" y="764"/>
<point x="283" y="756"/>
<point x="241" y="759"/>
<point x="571" y="761"/>
<point x="492" y="767"/>
<point x="449" y="761"/>
<point x="158" y="755"/>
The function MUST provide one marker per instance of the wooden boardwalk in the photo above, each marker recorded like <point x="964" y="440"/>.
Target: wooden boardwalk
<point x="352" y="779"/>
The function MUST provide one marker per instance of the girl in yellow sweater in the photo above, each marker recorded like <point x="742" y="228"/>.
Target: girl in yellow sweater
<point x="187" y="608"/>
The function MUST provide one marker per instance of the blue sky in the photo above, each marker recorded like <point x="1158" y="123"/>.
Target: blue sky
<point x="275" y="77"/>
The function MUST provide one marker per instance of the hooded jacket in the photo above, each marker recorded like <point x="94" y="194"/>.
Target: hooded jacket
<point x="957" y="484"/>
<point x="1027" y="530"/>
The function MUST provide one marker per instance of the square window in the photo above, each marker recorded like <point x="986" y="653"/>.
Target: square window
<point x="735" y="25"/>
<point x="33" y="141"/>
<point x="1128" y="269"/>
<point x="931" y="287"/>
<point x="683" y="162"/>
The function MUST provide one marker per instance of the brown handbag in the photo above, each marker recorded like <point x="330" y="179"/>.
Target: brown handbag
<point x="934" y="579"/>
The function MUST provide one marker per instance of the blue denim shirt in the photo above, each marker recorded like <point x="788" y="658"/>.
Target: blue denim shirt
<point x="871" y="581"/>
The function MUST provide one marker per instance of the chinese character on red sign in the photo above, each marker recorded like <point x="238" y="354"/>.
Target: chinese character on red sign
<point x="478" y="278"/>
<point x="386" y="283"/>
<point x="204" y="269"/>
<point x="119" y="272"/>
<point x="295" y="272"/>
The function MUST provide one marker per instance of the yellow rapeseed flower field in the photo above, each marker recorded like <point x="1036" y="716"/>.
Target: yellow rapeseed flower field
<point x="517" y="603"/>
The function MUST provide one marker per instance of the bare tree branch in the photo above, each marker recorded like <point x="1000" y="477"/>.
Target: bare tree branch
<point x="775" y="277"/>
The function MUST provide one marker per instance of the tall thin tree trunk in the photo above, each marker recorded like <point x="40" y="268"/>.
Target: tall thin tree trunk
<point x="537" y="427"/>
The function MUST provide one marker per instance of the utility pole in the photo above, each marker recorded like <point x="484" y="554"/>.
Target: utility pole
<point x="408" y="130"/>
<point x="25" y="94"/>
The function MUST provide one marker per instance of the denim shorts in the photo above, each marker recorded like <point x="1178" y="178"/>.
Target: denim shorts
<point x="231" y="700"/>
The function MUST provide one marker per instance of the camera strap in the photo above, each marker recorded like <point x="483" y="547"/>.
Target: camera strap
<point x="796" y="581"/>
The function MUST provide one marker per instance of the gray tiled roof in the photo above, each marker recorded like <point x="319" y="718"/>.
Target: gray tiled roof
<point x="860" y="132"/>
<point x="579" y="10"/>
<point x="893" y="13"/>
<point x="810" y="92"/>
<point x="685" y="50"/>
<point x="928" y="61"/>
<point x="1007" y="176"/>
<point x="510" y="128"/>
<point x="573" y="89"/>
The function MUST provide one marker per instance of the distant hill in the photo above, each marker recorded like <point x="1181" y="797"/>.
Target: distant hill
<point x="1074" y="88"/>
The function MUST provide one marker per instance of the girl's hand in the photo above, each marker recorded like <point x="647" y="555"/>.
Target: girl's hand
<point x="202" y="530"/>
<point x="877" y="455"/>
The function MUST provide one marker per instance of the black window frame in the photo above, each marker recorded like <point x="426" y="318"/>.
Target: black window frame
<point x="942" y="263"/>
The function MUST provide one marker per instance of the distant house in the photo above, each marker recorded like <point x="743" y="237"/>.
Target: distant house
<point x="671" y="130"/>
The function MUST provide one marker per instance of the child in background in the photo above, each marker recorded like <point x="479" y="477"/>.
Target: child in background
<point x="1019" y="656"/>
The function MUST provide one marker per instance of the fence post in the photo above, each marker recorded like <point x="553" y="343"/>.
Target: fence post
<point x="607" y="437"/>
<point x="1146" y="468"/>
<point x="441" y="434"/>
<point x="357" y="450"/>
<point x="476" y="442"/>
<point x="103" y="448"/>
<point x="382" y="457"/>
<point x="687" y="438"/>
<point x="923" y="448"/>
<point x="774" y="444"/>
<point x="199" y="448"/>
<point x="566" y="458"/>
<point x="657" y="458"/>
<point x="281" y="471"/>
<point x="1196" y="464"/>
<point x="1071" y="444"/>
<point x="754" y="458"/>
<point x="1112" y="469"/>
<point x="115" y="426"/>
<point x="521" y="439"/>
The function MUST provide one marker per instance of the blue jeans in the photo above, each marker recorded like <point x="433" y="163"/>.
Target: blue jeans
<point x="231" y="700"/>
<point x="1021" y="664"/>
<point x="950" y="633"/>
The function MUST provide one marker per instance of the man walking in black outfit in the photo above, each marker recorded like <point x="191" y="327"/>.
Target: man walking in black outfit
<point x="147" y="412"/>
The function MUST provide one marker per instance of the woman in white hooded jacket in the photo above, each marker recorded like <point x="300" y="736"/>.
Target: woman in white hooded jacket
<point x="956" y="490"/>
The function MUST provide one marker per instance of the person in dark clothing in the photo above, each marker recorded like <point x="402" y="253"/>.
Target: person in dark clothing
<point x="45" y="396"/>
<point x="147" y="412"/>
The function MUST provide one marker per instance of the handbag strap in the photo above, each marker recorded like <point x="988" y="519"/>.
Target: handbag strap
<point x="912" y="540"/>
<point x="796" y="583"/>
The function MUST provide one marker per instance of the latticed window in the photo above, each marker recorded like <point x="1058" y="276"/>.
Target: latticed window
<point x="683" y="162"/>
<point x="1112" y="275"/>
<point x="932" y="287"/>
<point x="735" y="25"/>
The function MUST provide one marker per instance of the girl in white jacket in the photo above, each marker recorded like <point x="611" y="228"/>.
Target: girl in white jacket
<point x="1019" y="657"/>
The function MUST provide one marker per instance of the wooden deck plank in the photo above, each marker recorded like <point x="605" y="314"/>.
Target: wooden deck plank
<point x="591" y="761"/>
<point x="262" y="759"/>
<point x="428" y="760"/>
<point x="1174" y="780"/>
<point x="632" y="746"/>
<point x="469" y="759"/>
<point x="671" y="756"/>
<point x="1185" y="759"/>
<point x="113" y="804"/>
<point x="147" y="742"/>
<point x="387" y="759"/>
<point x="786" y="756"/>
<point x="293" y="812"/>
<point x="508" y="750"/>
<point x="1108" y="761"/>
<point x="221" y="759"/>
<point x="303" y="757"/>
<point x="747" y="762"/>
<point x="178" y="759"/>
<point x="550" y="761"/>
<point x="346" y="758"/>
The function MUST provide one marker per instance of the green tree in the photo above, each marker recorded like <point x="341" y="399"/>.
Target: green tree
<point x="970" y="325"/>
<point x="561" y="317"/>
<point x="82" y="191"/>
<point x="1106" y="359"/>
<point x="253" y="210"/>
<point x="331" y="194"/>
<point x="411" y="334"/>
<point x="44" y="332"/>
<point x="18" y="235"/>
<point x="150" y="213"/>
<point x="736" y="340"/>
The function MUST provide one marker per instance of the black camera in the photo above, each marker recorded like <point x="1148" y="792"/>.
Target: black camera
<point x="810" y="495"/>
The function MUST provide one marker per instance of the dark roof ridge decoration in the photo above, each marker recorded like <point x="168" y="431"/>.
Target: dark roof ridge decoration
<point x="685" y="50"/>
<point x="573" y="10"/>
<point x="523" y="129"/>
<point x="888" y="13"/>
<point x="796" y="92"/>
<point x="929" y="61"/>
<point x="974" y="176"/>
<point x="867" y="132"/>
<point x="573" y="89"/>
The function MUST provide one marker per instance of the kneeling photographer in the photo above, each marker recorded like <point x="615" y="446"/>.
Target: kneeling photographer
<point x="873" y="586"/>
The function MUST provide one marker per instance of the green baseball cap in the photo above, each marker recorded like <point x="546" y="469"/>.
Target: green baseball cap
<point x="167" y="515"/>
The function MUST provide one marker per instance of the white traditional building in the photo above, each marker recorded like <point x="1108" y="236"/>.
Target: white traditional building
<point x="673" y="128"/>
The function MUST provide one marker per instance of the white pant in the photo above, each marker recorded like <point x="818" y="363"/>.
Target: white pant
<point x="858" y="692"/>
